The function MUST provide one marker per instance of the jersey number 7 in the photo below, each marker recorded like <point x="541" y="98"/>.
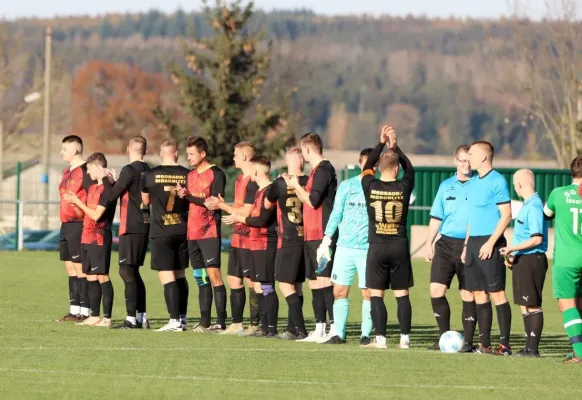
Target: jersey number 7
<point x="171" y="197"/>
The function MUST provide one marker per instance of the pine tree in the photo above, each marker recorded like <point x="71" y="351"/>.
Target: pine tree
<point x="223" y="84"/>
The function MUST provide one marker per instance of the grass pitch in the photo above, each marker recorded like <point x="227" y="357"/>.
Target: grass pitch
<point x="40" y="358"/>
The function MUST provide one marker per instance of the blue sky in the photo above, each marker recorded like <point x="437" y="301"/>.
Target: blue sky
<point x="442" y="8"/>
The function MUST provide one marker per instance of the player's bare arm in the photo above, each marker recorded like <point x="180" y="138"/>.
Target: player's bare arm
<point x="216" y="203"/>
<point x="94" y="213"/>
<point x="433" y="230"/>
<point x="487" y="249"/>
<point x="302" y="194"/>
<point x="464" y="253"/>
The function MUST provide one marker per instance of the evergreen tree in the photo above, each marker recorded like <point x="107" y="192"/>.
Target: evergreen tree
<point x="222" y="88"/>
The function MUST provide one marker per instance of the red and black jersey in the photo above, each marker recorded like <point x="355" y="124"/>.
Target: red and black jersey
<point x="93" y="231"/>
<point x="289" y="212"/>
<point x="134" y="215"/>
<point x="244" y="193"/>
<point x="76" y="181"/>
<point x="202" y="222"/>
<point x="321" y="186"/>
<point x="262" y="223"/>
<point x="168" y="212"/>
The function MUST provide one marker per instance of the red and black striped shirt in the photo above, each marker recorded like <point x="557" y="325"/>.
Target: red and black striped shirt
<point x="262" y="223"/>
<point x="74" y="181"/>
<point x="244" y="193"/>
<point x="321" y="186"/>
<point x="202" y="222"/>
<point x="94" y="231"/>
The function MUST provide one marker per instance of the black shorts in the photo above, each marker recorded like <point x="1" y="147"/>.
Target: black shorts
<point x="97" y="258"/>
<point x="446" y="262"/>
<point x="310" y="251"/>
<point x="290" y="265"/>
<point x="529" y="275"/>
<point x="204" y="253"/>
<point x="170" y="253"/>
<point x="239" y="262"/>
<point x="484" y="275"/>
<point x="263" y="265"/>
<point x="133" y="248"/>
<point x="70" y="242"/>
<point x="388" y="266"/>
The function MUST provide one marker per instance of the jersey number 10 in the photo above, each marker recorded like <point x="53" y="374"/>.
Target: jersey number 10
<point x="391" y="212"/>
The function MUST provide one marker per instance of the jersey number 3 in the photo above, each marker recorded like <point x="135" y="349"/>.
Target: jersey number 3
<point x="391" y="212"/>
<point x="294" y="205"/>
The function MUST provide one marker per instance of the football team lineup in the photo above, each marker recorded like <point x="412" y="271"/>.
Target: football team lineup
<point x="308" y="229"/>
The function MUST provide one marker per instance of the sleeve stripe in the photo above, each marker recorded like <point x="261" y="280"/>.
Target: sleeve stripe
<point x="536" y="235"/>
<point x="437" y="218"/>
<point x="504" y="202"/>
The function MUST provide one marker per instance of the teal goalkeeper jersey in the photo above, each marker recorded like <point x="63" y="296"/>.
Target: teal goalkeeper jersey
<point x="350" y="215"/>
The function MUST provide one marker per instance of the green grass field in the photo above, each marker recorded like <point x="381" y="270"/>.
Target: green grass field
<point x="40" y="358"/>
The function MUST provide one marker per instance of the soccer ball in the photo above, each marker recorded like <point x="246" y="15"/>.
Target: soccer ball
<point x="451" y="342"/>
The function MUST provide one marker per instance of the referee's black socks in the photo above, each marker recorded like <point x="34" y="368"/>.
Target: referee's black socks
<point x="536" y="325"/>
<point x="469" y="316"/>
<point x="485" y="319"/>
<point x="504" y="320"/>
<point x="442" y="313"/>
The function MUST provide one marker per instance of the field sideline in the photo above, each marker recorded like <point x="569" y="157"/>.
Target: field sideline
<point x="40" y="358"/>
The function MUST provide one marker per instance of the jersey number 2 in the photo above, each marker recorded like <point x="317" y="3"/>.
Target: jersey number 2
<point x="391" y="212"/>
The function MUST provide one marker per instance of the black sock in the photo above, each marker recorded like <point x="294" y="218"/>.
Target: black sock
<point x="469" y="321"/>
<point x="263" y="322"/>
<point x="184" y="292"/>
<point x="442" y="313"/>
<point x="485" y="319"/>
<point x="272" y="305"/>
<point x="290" y="324"/>
<point x="536" y="327"/>
<point x="220" y="304"/>
<point x="318" y="303"/>
<point x="172" y="294"/>
<point x="83" y="292"/>
<point x="328" y="293"/>
<point x="107" y="289"/>
<point x="95" y="298"/>
<point x="141" y="292"/>
<point x="380" y="315"/>
<point x="296" y="312"/>
<point x="237" y="304"/>
<point x="254" y="299"/>
<point x="127" y="273"/>
<point x="74" y="297"/>
<point x="205" y="302"/>
<point x="526" y="328"/>
<point x="404" y="313"/>
<point x="504" y="320"/>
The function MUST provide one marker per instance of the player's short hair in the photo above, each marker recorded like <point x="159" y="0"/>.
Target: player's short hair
<point x="388" y="160"/>
<point x="74" y="139"/>
<point x="198" y="142"/>
<point x="98" y="159"/>
<point x="365" y="153"/>
<point x="486" y="147"/>
<point x="576" y="167"/>
<point x="313" y="140"/>
<point x="138" y="144"/>
<point x="247" y="147"/>
<point x="263" y="162"/>
<point x="295" y="151"/>
<point x="169" y="143"/>
<point x="464" y="148"/>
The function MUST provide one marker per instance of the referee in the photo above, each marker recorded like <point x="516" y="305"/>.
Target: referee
<point x="449" y="217"/>
<point x="527" y="257"/>
<point x="489" y="215"/>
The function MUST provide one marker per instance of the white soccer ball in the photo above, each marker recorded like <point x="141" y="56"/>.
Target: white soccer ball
<point x="451" y="342"/>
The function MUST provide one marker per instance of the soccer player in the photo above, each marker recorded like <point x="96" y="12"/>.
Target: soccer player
<point x="168" y="223"/>
<point x="133" y="232"/>
<point x="529" y="264"/>
<point x="204" y="238"/>
<point x="388" y="264"/>
<point x="262" y="243"/>
<point x="350" y="216"/>
<point x="239" y="258"/>
<point x="449" y="218"/>
<point x="96" y="241"/>
<point x="290" y="258"/>
<point x="565" y="204"/>
<point x="75" y="181"/>
<point x="489" y="215"/>
<point x="317" y="198"/>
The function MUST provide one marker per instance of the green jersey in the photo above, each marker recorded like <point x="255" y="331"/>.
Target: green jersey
<point x="565" y="204"/>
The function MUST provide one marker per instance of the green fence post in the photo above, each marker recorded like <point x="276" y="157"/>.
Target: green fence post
<point x="18" y="171"/>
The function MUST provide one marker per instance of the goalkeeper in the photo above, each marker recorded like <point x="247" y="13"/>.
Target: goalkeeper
<point x="350" y="215"/>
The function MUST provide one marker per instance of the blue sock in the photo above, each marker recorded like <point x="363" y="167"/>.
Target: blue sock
<point x="341" y="308"/>
<point x="366" y="318"/>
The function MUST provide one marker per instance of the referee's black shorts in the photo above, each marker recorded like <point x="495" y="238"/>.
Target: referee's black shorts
<point x="529" y="275"/>
<point x="484" y="275"/>
<point x="446" y="262"/>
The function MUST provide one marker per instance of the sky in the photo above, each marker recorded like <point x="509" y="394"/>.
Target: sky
<point x="430" y="8"/>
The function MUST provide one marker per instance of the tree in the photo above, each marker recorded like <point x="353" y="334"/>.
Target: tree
<point x="223" y="88"/>
<point x="547" y="77"/>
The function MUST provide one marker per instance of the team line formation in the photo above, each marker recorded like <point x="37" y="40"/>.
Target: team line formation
<point x="301" y="228"/>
